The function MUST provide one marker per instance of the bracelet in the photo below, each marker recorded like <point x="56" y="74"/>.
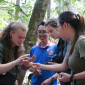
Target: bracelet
<point x="71" y="77"/>
<point x="53" y="79"/>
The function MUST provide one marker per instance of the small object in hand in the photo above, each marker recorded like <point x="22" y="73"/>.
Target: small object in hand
<point x="30" y="63"/>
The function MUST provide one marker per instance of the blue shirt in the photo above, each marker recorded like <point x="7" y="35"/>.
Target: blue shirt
<point x="43" y="55"/>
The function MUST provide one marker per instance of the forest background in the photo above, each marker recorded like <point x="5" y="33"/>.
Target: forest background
<point x="32" y="12"/>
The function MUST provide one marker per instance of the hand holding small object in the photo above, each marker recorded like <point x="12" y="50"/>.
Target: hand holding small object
<point x="64" y="77"/>
<point x="27" y="60"/>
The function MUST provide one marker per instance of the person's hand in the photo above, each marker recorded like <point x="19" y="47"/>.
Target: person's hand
<point x="27" y="60"/>
<point x="37" y="72"/>
<point x="36" y="65"/>
<point x="21" y="59"/>
<point x="64" y="77"/>
<point x="47" y="82"/>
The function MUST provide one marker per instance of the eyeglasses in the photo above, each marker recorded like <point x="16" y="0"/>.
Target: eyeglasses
<point x="42" y="32"/>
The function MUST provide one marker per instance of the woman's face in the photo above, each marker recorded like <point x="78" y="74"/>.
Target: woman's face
<point x="63" y="31"/>
<point x="17" y="37"/>
<point x="42" y="33"/>
<point x="53" y="32"/>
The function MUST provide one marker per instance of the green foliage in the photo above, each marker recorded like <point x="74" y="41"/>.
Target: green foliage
<point x="2" y="24"/>
<point x="66" y="3"/>
<point x="2" y="2"/>
<point x="77" y="6"/>
<point x="58" y="12"/>
<point x="24" y="11"/>
<point x="26" y="7"/>
<point x="73" y="1"/>
<point x="58" y="0"/>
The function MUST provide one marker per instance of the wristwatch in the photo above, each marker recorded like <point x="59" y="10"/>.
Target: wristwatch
<point x="53" y="78"/>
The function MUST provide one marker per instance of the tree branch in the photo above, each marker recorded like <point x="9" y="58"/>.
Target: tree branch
<point x="22" y="10"/>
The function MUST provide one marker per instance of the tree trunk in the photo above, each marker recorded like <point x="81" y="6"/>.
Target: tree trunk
<point x="36" y="17"/>
<point x="49" y="8"/>
<point x="17" y="8"/>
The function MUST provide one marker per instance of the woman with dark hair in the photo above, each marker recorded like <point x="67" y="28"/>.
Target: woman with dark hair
<point x="52" y="28"/>
<point x="11" y="52"/>
<point x="71" y="27"/>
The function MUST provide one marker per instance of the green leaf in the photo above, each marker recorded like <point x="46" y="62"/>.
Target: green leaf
<point x="58" y="12"/>
<point x="58" y="0"/>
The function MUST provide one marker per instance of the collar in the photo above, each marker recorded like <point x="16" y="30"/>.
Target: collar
<point x="39" y="45"/>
